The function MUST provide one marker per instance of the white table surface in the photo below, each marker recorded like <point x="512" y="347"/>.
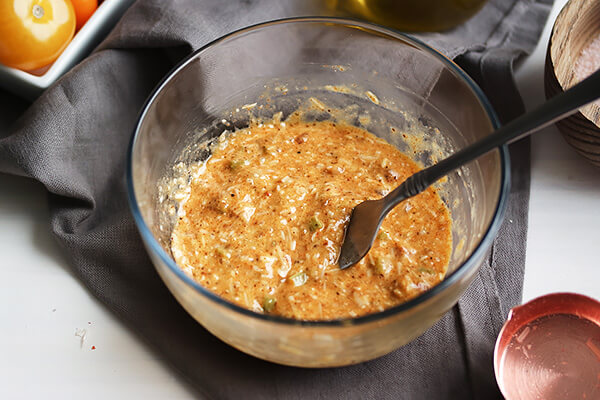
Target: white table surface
<point x="42" y="304"/>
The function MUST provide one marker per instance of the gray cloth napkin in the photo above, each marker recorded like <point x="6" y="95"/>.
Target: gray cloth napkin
<point x="73" y="139"/>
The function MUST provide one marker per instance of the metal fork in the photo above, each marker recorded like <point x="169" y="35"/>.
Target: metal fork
<point x="367" y="217"/>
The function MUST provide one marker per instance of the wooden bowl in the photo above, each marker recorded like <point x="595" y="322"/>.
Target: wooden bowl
<point x="576" y="26"/>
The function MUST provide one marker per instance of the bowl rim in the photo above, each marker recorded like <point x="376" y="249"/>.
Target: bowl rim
<point x="462" y="270"/>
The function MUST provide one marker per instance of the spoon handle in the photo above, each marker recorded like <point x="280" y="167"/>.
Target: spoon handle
<point x="551" y="111"/>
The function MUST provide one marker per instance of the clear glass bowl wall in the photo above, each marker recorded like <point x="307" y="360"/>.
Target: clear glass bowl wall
<point x="280" y="65"/>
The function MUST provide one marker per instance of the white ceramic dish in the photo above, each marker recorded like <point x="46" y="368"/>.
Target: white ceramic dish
<point x="89" y="36"/>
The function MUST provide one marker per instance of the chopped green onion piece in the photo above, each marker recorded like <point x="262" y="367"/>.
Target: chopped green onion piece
<point x="426" y="270"/>
<point x="382" y="266"/>
<point x="299" y="279"/>
<point x="235" y="165"/>
<point x="383" y="235"/>
<point x="269" y="304"/>
<point x="222" y="252"/>
<point x="314" y="224"/>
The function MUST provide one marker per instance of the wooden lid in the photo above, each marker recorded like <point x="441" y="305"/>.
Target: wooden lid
<point x="576" y="26"/>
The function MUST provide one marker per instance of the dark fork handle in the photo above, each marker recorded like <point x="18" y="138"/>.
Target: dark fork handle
<point x="553" y="110"/>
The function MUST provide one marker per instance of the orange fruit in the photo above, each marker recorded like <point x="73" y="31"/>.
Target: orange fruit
<point x="33" y="33"/>
<point x="83" y="10"/>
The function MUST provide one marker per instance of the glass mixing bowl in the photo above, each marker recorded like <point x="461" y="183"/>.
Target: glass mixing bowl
<point x="394" y="86"/>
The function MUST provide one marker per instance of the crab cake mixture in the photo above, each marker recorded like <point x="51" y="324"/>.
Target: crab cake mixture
<point x="263" y="221"/>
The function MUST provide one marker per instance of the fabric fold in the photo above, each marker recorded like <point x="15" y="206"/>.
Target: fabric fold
<point x="74" y="138"/>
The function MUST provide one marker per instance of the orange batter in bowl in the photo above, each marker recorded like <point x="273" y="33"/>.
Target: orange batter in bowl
<point x="264" y="220"/>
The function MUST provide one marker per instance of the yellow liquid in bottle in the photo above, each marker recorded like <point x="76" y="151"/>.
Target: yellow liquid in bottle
<point x="409" y="15"/>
